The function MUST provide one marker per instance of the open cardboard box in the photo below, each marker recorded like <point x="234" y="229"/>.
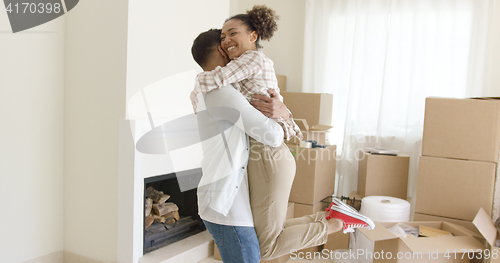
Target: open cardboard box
<point x="486" y="227"/>
<point x="316" y="132"/>
<point x="384" y="244"/>
<point x="315" y="109"/>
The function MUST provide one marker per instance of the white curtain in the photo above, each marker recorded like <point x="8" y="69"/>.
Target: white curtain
<point x="382" y="58"/>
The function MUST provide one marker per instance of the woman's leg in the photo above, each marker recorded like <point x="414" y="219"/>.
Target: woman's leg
<point x="270" y="175"/>
<point x="236" y="244"/>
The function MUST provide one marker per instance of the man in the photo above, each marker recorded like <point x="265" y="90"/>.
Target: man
<point x="227" y="118"/>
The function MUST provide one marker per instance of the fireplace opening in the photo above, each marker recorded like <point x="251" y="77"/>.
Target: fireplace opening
<point x="170" y="214"/>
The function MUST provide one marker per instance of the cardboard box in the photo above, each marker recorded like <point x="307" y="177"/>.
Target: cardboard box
<point x="317" y="133"/>
<point x="462" y="128"/>
<point x="301" y="210"/>
<point x="282" y="259"/>
<point x="454" y="188"/>
<point x="216" y="253"/>
<point x="384" y="175"/>
<point x="290" y="211"/>
<point x="315" y="174"/>
<point x="464" y="223"/>
<point x="281" y="82"/>
<point x="337" y="240"/>
<point x="316" y="108"/>
<point x="422" y="249"/>
<point x="488" y="230"/>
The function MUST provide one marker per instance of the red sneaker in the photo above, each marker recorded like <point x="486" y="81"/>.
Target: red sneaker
<point x="350" y="218"/>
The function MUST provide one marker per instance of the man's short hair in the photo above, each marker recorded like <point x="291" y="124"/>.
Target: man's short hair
<point x="203" y="46"/>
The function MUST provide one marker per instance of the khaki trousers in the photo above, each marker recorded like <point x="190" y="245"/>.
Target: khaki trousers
<point x="270" y="176"/>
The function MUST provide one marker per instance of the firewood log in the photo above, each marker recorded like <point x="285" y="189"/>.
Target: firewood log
<point x="158" y="196"/>
<point x="172" y="217"/>
<point x="149" y="220"/>
<point x="148" y="206"/>
<point x="161" y="209"/>
<point x="160" y="219"/>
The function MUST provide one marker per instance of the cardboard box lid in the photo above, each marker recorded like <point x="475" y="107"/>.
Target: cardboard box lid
<point x="486" y="227"/>
<point x="304" y="126"/>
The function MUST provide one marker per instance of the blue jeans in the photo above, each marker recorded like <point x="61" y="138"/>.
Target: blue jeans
<point x="236" y="244"/>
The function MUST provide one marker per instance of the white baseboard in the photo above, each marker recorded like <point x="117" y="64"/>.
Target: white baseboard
<point x="70" y="257"/>
<point x="56" y="257"/>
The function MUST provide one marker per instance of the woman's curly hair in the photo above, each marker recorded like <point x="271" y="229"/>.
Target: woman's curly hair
<point x="260" y="19"/>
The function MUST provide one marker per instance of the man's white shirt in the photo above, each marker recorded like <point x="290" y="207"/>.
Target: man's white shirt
<point x="223" y="196"/>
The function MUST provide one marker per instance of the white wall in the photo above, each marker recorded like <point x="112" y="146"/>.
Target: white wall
<point x="286" y="47"/>
<point x="95" y="71"/>
<point x="161" y="67"/>
<point x="31" y="139"/>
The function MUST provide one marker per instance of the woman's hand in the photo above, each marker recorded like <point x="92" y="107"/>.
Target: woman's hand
<point x="271" y="107"/>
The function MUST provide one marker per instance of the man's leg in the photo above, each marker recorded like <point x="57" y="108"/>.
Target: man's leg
<point x="236" y="244"/>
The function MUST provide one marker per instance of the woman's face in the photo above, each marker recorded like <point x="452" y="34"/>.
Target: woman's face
<point x="235" y="38"/>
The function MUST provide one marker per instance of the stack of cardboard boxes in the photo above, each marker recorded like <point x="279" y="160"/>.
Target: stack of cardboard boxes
<point x="315" y="175"/>
<point x="460" y="151"/>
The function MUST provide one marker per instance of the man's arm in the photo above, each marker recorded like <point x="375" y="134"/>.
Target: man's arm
<point x="272" y="106"/>
<point x="255" y="124"/>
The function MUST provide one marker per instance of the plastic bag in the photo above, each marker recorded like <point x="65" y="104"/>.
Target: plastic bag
<point x="402" y="230"/>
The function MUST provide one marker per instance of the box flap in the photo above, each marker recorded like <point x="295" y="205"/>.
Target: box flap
<point x="458" y="230"/>
<point x="442" y="244"/>
<point x="485" y="226"/>
<point x="302" y="123"/>
<point x="378" y="233"/>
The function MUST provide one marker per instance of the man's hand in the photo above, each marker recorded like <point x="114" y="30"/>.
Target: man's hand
<point x="271" y="107"/>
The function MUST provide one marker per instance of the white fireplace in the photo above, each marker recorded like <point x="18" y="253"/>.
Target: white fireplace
<point x="134" y="167"/>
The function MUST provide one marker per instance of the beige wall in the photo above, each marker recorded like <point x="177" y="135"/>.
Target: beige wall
<point x="286" y="48"/>
<point x="495" y="57"/>
<point x="95" y="71"/>
<point x="31" y="140"/>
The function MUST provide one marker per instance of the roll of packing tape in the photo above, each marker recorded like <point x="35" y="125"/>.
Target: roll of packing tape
<point x="304" y="144"/>
<point x="385" y="209"/>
